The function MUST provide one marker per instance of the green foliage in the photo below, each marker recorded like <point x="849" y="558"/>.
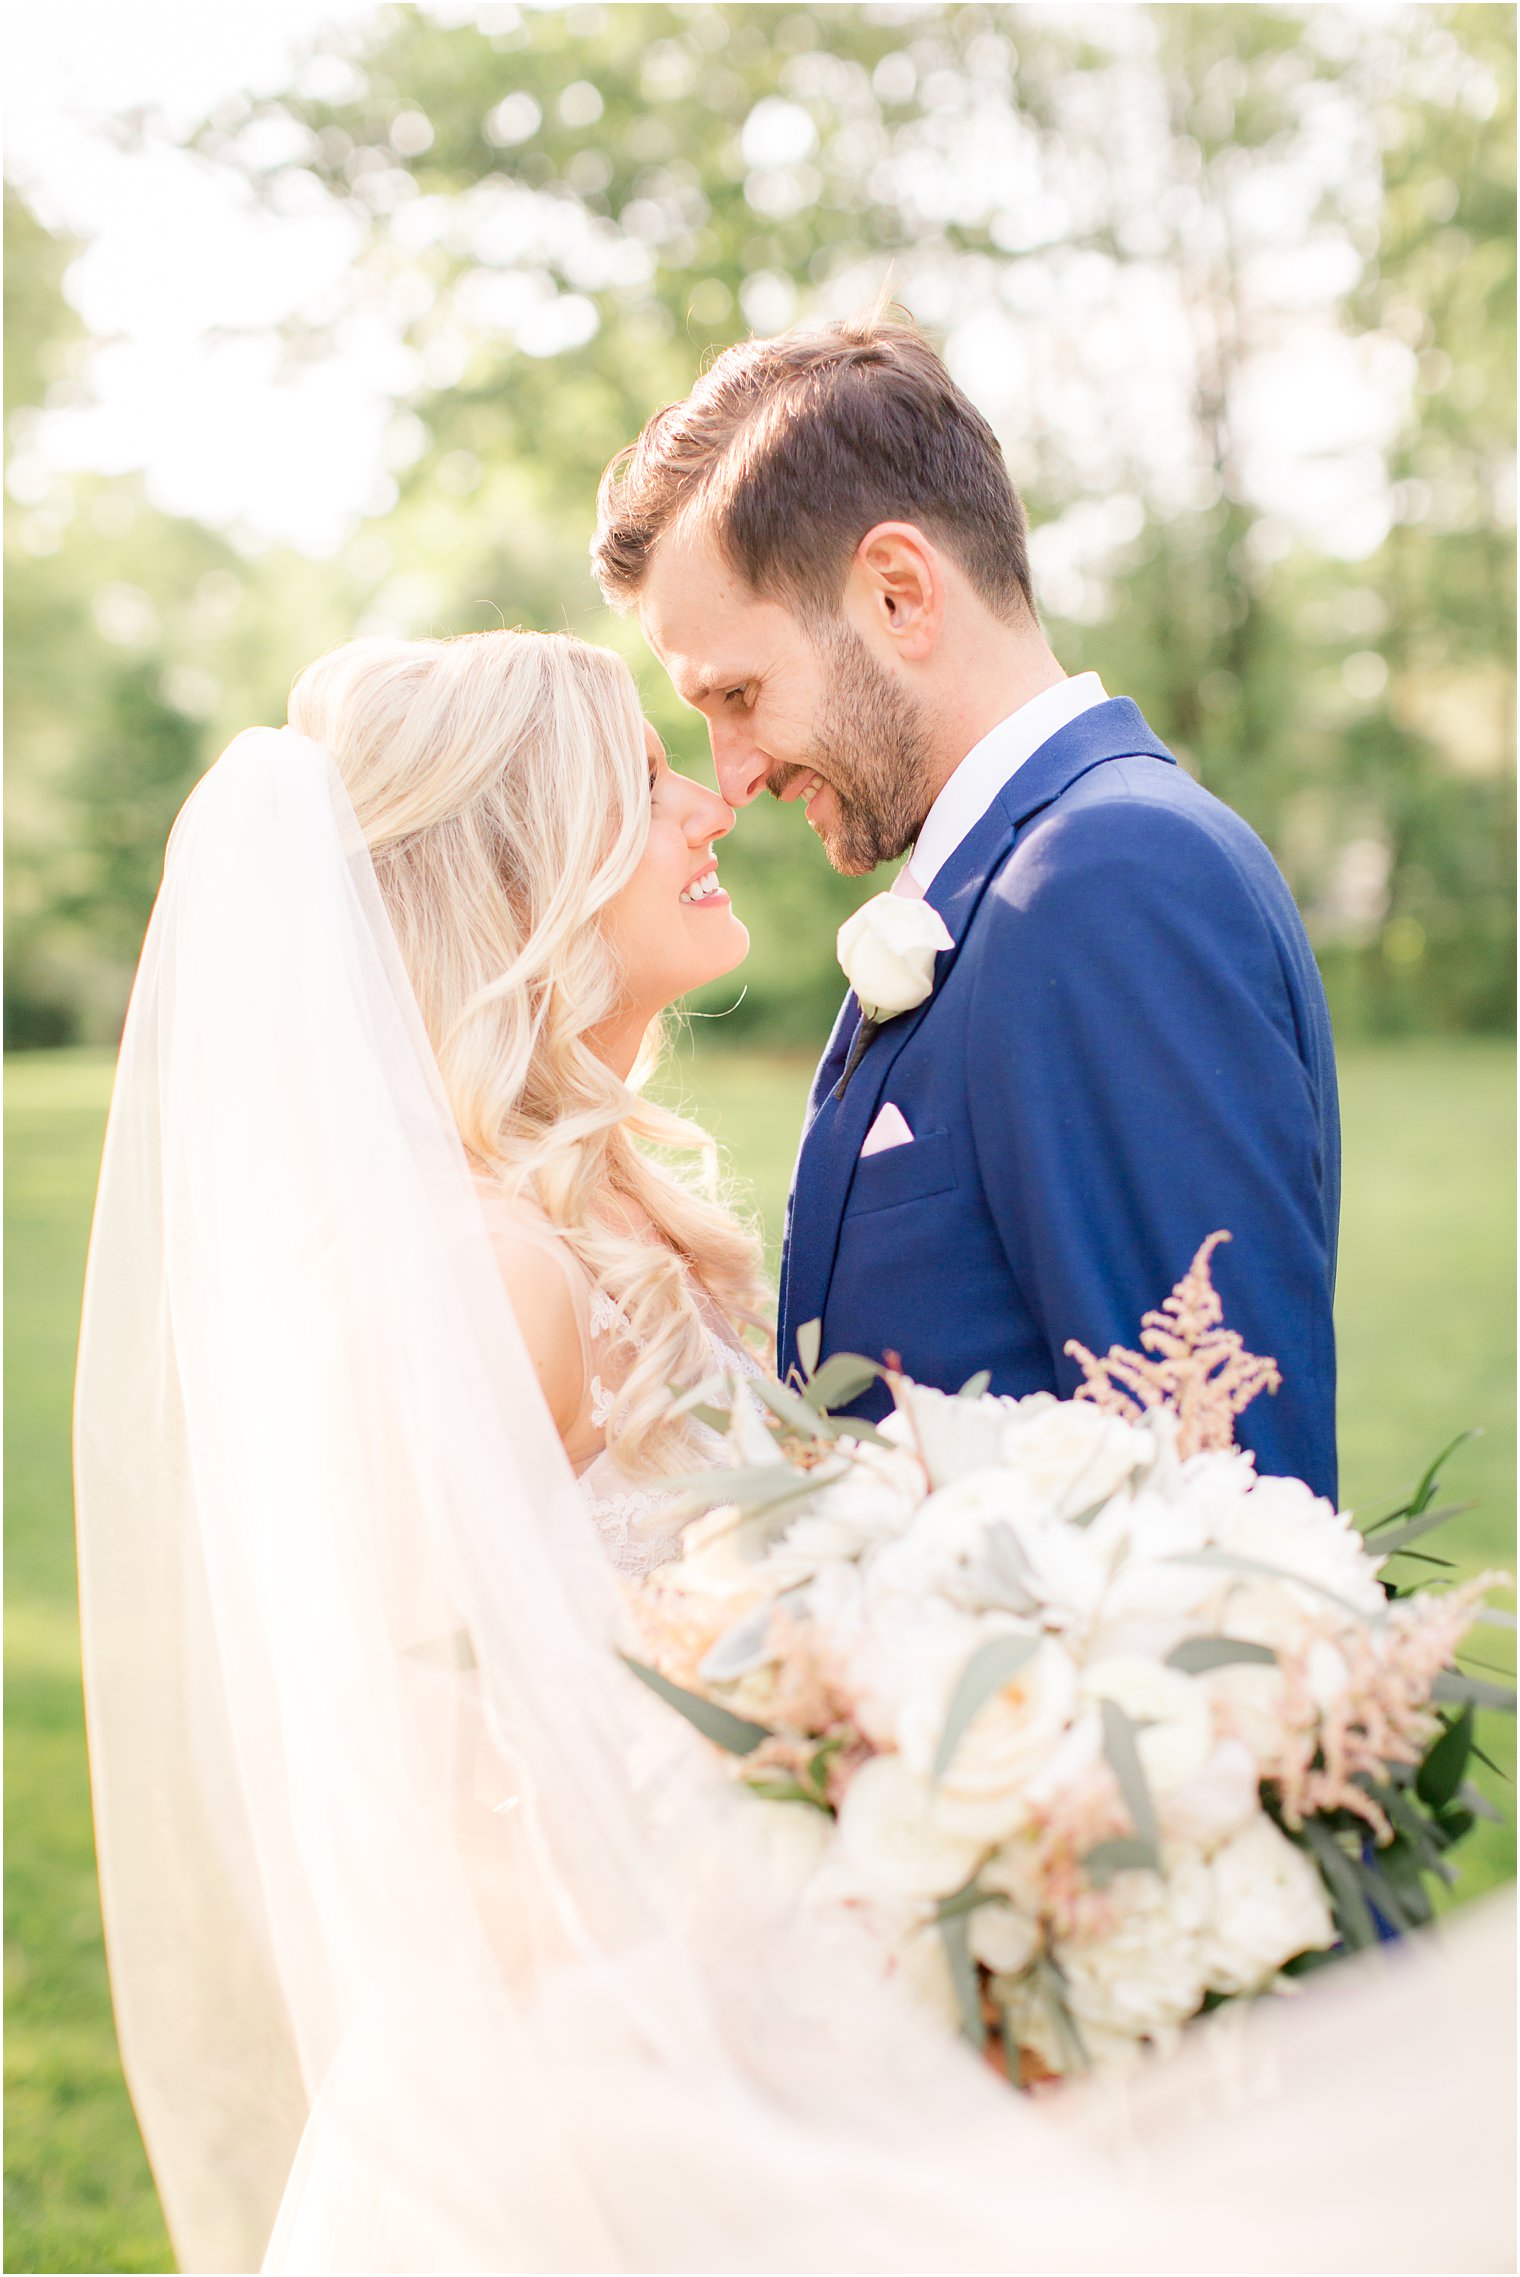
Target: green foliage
<point x="565" y="215"/>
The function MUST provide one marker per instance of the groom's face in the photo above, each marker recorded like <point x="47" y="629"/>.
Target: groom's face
<point x="805" y="712"/>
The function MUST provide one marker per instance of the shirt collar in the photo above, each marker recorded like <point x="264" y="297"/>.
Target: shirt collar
<point x="992" y="763"/>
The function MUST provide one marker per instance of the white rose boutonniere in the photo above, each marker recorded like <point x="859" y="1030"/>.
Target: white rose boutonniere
<point x="888" y="950"/>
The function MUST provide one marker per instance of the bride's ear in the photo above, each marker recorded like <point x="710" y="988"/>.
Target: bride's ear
<point x="897" y="580"/>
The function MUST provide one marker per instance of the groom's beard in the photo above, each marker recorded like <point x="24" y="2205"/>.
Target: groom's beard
<point x="871" y="746"/>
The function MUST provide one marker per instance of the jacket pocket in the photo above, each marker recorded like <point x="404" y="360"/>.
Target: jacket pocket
<point x="902" y="1174"/>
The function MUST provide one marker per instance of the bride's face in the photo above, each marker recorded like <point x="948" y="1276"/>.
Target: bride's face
<point x="673" y="925"/>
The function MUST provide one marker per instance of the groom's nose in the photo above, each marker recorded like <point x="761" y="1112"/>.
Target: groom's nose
<point x="741" y="769"/>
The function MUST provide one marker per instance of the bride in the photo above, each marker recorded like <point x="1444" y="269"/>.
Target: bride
<point x="552" y="885"/>
<point x="436" y="1943"/>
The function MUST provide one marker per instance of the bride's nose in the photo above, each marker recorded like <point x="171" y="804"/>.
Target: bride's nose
<point x="710" y="817"/>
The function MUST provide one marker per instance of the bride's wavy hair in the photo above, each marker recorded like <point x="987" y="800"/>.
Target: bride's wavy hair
<point x="502" y="785"/>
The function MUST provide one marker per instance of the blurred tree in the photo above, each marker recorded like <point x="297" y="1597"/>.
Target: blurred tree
<point x="566" y="210"/>
<point x="136" y="644"/>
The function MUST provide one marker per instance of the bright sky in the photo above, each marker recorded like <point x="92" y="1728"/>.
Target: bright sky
<point x="175" y="253"/>
<point x="186" y="279"/>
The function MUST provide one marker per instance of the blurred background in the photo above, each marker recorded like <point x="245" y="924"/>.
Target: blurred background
<point x="324" y="319"/>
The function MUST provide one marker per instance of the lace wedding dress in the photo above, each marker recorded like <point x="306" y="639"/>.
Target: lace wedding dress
<point x="627" y="1512"/>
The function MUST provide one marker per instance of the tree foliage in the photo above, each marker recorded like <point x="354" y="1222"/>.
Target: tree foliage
<point x="564" y="212"/>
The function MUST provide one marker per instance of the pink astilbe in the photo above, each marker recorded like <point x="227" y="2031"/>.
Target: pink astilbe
<point x="1383" y="1716"/>
<point x="1191" y="1364"/>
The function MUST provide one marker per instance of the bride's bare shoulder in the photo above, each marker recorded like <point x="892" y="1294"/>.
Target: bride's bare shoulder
<point x="550" y="1296"/>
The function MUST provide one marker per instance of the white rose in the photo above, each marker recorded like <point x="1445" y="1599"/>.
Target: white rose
<point x="1144" y="1976"/>
<point x="888" y="949"/>
<point x="1176" y="1734"/>
<point x="1153" y="1602"/>
<point x="898" y="1659"/>
<point x="874" y="1502"/>
<point x="984" y="1544"/>
<point x="1248" y="1699"/>
<point x="1072" y="1455"/>
<point x="890" y="1845"/>
<point x="951" y="1548"/>
<point x="951" y="1436"/>
<point x="1218" y="1799"/>
<point x="983" y="1793"/>
<point x="921" y="1963"/>
<point x="713" y="1565"/>
<point x="1268" y="1905"/>
<point x="788" y="1843"/>
<point x="1003" y="1939"/>
<point x="1281" y="1523"/>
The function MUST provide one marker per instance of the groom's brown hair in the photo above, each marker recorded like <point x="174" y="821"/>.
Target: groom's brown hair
<point x="788" y="450"/>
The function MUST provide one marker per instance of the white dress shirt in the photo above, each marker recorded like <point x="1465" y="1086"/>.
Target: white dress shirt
<point x="990" y="764"/>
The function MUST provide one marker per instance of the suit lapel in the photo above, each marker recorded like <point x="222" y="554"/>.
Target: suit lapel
<point x="836" y="1129"/>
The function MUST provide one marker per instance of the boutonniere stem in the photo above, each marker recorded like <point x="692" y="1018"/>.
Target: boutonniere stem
<point x="858" y="1050"/>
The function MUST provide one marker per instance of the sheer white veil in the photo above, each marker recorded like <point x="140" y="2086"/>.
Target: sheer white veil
<point x="435" y="1942"/>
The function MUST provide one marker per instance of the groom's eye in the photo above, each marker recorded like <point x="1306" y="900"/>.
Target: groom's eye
<point x="732" y="693"/>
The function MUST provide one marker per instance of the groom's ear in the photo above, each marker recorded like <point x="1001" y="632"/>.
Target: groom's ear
<point x="897" y="583"/>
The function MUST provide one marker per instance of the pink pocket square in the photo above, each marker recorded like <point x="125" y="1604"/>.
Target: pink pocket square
<point x="889" y="1129"/>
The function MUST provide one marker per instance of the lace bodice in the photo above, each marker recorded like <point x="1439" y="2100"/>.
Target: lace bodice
<point x="625" y="1511"/>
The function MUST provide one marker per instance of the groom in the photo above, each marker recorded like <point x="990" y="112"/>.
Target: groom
<point x="1125" y="1045"/>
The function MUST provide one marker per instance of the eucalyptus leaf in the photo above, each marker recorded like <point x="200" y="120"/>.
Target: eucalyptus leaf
<point x="787" y="1406"/>
<point x="1122" y="1854"/>
<point x="1453" y="1688"/>
<point x="1379" y="1895"/>
<point x="702" y="1397"/>
<point x="1440" y="1777"/>
<point x="809" y="1344"/>
<point x="717" y="1419"/>
<point x="741" y="1648"/>
<point x="1391" y="1883"/>
<point x="781" y="1789"/>
<point x="1387" y="1545"/>
<point x="968" y="1899"/>
<point x="1427" y="1485"/>
<point x="1053" y="1986"/>
<point x="733" y="1733"/>
<point x="1419" y="1501"/>
<point x="708" y="1489"/>
<point x="968" y="1989"/>
<point x="843" y="1377"/>
<point x="986" y="1672"/>
<point x="1121" y="1746"/>
<point x="1473" y="1798"/>
<point x="1356" y="1923"/>
<point x="1417" y="1835"/>
<point x="1495" y="1617"/>
<point x="1228" y="1562"/>
<point x="1196" y="1655"/>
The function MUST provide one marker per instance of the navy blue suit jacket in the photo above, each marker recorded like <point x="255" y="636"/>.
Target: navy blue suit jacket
<point x="1126" y="1047"/>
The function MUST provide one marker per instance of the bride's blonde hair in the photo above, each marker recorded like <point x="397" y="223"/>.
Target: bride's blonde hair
<point x="502" y="785"/>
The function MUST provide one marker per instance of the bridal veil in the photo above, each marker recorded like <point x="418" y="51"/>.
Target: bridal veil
<point x="436" y="1943"/>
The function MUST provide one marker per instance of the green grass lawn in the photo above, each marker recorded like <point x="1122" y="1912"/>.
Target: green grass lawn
<point x="1426" y="1325"/>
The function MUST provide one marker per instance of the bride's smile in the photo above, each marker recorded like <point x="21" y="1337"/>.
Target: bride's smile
<point x="672" y="926"/>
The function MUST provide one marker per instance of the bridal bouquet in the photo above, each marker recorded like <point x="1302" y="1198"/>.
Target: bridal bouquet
<point x="1095" y="1727"/>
